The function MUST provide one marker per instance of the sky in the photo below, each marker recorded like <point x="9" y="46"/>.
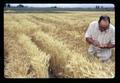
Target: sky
<point x="66" y="5"/>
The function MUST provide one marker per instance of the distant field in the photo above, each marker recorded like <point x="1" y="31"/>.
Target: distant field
<point x="25" y="9"/>
<point x="36" y="44"/>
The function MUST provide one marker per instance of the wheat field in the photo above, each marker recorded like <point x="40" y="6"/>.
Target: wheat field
<point x="38" y="43"/>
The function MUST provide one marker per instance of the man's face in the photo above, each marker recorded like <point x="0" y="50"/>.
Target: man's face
<point x="103" y="25"/>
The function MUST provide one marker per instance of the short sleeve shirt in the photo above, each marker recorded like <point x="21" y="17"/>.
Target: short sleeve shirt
<point x="103" y="37"/>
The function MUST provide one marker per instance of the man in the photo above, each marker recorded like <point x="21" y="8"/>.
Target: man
<point x="101" y="37"/>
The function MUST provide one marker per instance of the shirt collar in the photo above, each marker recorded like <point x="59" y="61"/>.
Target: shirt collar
<point x="105" y="30"/>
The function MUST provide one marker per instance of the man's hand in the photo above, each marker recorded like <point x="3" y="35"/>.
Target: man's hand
<point x="93" y="42"/>
<point x="103" y="46"/>
<point x="96" y="43"/>
<point x="109" y="45"/>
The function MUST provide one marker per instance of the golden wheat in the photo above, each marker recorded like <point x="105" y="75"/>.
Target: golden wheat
<point x="36" y="41"/>
<point x="25" y="60"/>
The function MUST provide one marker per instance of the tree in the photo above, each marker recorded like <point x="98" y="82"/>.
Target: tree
<point x="97" y="7"/>
<point x="54" y="7"/>
<point x="20" y="6"/>
<point x="8" y="6"/>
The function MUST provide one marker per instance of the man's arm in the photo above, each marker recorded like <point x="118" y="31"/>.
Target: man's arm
<point x="96" y="43"/>
<point x="109" y="45"/>
<point x="93" y="42"/>
<point x="89" y="33"/>
<point x="89" y="40"/>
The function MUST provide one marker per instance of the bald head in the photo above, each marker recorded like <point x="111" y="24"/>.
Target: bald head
<point x="104" y="22"/>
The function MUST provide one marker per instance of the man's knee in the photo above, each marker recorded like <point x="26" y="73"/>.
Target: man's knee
<point x="91" y="52"/>
<point x="105" y="57"/>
